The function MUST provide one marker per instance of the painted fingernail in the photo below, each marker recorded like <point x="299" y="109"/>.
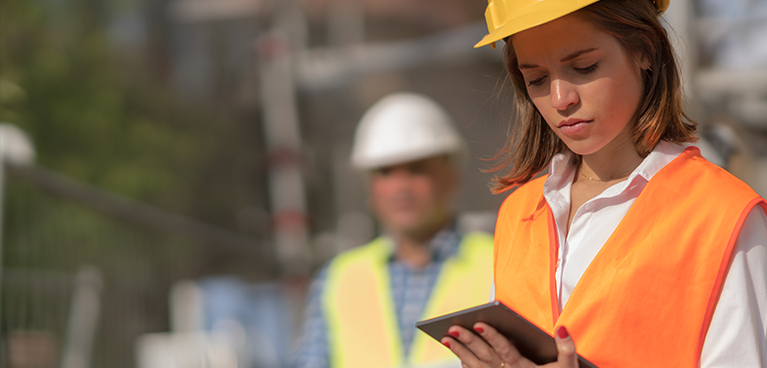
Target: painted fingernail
<point x="454" y="334"/>
<point x="479" y="329"/>
<point x="562" y="332"/>
<point x="446" y="344"/>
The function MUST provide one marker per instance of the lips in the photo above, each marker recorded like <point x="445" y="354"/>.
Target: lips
<point x="571" y="122"/>
<point x="573" y="126"/>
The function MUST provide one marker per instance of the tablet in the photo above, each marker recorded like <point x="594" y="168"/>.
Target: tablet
<point x="532" y="342"/>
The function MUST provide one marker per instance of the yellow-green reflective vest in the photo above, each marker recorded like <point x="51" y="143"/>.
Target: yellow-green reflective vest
<point x="362" y="325"/>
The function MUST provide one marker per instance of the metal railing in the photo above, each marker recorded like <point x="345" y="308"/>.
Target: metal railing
<point x="85" y="272"/>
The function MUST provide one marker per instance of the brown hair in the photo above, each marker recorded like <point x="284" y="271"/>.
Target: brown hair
<point x="634" y="23"/>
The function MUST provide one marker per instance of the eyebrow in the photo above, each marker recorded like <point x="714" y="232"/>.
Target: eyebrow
<point x="564" y="59"/>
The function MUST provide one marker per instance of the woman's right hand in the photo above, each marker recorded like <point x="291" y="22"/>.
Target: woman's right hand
<point x="493" y="350"/>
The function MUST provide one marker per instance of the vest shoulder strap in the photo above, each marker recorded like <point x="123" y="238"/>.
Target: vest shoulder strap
<point x="358" y="287"/>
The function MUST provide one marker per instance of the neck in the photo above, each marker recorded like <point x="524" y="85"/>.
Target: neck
<point x="413" y="246"/>
<point x="615" y="164"/>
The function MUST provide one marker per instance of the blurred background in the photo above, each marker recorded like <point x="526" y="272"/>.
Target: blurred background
<point x="172" y="172"/>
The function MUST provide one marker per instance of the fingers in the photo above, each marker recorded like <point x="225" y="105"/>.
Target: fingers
<point x="471" y="349"/>
<point x="489" y="349"/>
<point x="501" y="346"/>
<point x="566" y="356"/>
<point x="468" y="359"/>
<point x="452" y="342"/>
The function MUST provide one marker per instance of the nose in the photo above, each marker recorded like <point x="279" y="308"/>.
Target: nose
<point x="563" y="94"/>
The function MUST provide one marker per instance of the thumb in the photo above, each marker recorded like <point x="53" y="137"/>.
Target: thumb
<point x="566" y="356"/>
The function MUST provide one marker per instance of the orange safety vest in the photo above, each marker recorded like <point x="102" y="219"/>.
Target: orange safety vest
<point x="362" y="325"/>
<point x="647" y="298"/>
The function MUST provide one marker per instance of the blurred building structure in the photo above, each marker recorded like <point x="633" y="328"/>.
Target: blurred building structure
<point x="731" y="83"/>
<point x="309" y="69"/>
<point x="723" y="48"/>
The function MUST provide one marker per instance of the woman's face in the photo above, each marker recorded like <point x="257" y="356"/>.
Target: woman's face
<point x="583" y="83"/>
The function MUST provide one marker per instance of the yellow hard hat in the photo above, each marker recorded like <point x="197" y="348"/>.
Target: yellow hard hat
<point x="507" y="17"/>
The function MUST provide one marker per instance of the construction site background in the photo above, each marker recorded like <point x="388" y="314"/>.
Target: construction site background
<point x="172" y="172"/>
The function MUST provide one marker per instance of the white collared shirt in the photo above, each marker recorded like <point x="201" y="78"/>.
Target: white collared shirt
<point x="737" y="336"/>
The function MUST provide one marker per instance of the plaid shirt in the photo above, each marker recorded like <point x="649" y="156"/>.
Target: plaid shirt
<point x="410" y="290"/>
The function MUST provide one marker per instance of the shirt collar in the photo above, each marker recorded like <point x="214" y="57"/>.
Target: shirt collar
<point x="443" y="245"/>
<point x="563" y="166"/>
<point x="663" y="153"/>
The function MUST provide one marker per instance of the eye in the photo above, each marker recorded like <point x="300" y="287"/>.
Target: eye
<point x="383" y="171"/>
<point x="536" y="81"/>
<point x="416" y="168"/>
<point x="587" y="69"/>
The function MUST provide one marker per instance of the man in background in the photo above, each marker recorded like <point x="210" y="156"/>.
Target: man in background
<point x="363" y="305"/>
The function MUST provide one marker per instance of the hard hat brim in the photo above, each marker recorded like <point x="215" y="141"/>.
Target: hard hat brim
<point x="538" y="13"/>
<point x="535" y="14"/>
<point x="368" y="163"/>
<point x="661" y="5"/>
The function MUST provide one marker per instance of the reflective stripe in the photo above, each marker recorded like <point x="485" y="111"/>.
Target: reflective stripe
<point x="362" y="324"/>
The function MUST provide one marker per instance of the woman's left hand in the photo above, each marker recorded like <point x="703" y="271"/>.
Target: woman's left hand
<point x="493" y="350"/>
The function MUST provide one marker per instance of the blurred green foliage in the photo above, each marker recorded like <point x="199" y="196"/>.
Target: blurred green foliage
<point x="93" y="114"/>
<point x="101" y="115"/>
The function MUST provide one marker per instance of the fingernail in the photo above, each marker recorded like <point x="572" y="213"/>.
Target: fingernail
<point x="446" y="344"/>
<point x="454" y="334"/>
<point x="562" y="332"/>
<point x="479" y="329"/>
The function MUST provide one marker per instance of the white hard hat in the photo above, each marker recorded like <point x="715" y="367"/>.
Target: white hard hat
<point x="15" y="145"/>
<point x="404" y="127"/>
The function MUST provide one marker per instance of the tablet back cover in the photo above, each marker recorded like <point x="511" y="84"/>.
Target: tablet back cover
<point x="531" y="341"/>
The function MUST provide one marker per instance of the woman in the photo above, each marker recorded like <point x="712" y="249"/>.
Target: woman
<point x="634" y="247"/>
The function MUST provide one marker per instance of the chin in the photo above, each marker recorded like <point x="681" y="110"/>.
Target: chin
<point x="406" y="226"/>
<point x="415" y="227"/>
<point x="583" y="148"/>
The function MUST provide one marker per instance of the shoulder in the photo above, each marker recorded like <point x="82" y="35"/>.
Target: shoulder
<point x="702" y="193"/>
<point x="477" y="238"/>
<point x="355" y="264"/>
<point x="699" y="175"/>
<point x="526" y="198"/>
<point x="476" y="245"/>
<point x="378" y="248"/>
<point x="533" y="187"/>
